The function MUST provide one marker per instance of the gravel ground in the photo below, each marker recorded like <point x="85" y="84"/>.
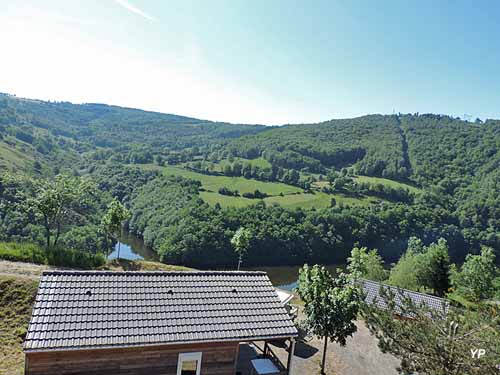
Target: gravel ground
<point x="361" y="356"/>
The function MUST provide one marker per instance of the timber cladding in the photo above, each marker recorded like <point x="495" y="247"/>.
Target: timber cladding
<point x="217" y="359"/>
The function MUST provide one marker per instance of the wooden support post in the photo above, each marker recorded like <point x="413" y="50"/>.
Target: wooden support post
<point x="236" y="358"/>
<point x="265" y="349"/>
<point x="291" y="351"/>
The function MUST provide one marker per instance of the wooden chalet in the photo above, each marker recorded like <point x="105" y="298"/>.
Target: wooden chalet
<point x="162" y="323"/>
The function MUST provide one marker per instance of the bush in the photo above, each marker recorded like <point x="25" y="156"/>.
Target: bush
<point x="84" y="238"/>
<point x="74" y="258"/>
<point x="61" y="257"/>
<point x="257" y="194"/>
<point x="226" y="191"/>
<point x="22" y="252"/>
<point x="496" y="287"/>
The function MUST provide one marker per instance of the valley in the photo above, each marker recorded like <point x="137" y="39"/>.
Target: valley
<point x="307" y="192"/>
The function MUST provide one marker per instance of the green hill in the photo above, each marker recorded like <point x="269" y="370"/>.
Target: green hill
<point x="312" y="191"/>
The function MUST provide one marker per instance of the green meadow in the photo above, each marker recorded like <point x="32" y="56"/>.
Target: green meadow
<point x="282" y="194"/>
<point x="258" y="162"/>
<point x="374" y="181"/>
<point x="385" y="181"/>
<point x="243" y="185"/>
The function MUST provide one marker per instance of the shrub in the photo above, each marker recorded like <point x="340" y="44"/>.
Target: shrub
<point x="226" y="191"/>
<point x="74" y="258"/>
<point x="22" y="252"/>
<point x="61" y="257"/>
<point x="257" y="194"/>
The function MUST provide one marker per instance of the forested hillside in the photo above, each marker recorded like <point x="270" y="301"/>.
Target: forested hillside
<point x="40" y="129"/>
<point x="307" y="193"/>
<point x="372" y="143"/>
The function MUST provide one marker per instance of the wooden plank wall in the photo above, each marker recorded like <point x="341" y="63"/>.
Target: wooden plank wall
<point x="217" y="359"/>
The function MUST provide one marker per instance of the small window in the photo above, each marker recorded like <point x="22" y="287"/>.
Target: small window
<point x="189" y="364"/>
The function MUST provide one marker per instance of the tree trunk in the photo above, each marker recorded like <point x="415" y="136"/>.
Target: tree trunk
<point x="47" y="231"/>
<point x="118" y="257"/>
<point x="324" y="356"/>
<point x="58" y="233"/>
<point x="240" y="260"/>
<point x="48" y="238"/>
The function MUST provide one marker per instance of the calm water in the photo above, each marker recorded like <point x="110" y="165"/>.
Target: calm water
<point x="284" y="277"/>
<point x="132" y="248"/>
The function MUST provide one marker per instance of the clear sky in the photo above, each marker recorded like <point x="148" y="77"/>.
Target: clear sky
<point x="269" y="62"/>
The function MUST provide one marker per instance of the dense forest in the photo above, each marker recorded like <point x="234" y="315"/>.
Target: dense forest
<point x="379" y="181"/>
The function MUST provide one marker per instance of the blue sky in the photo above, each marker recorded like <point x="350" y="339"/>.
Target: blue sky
<point x="270" y="62"/>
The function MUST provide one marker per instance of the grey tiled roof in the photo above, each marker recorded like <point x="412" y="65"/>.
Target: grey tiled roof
<point x="371" y="290"/>
<point x="78" y="309"/>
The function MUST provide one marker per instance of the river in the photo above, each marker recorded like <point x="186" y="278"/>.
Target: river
<point x="133" y="248"/>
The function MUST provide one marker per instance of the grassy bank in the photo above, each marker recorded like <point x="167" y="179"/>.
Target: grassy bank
<point x="17" y="295"/>
<point x="61" y="257"/>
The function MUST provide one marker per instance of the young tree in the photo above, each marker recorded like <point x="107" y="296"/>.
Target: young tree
<point x="241" y="243"/>
<point x="475" y="279"/>
<point x="330" y="304"/>
<point x="57" y="201"/>
<point x="423" y="268"/>
<point x="404" y="273"/>
<point x="113" y="219"/>
<point x="435" y="268"/>
<point x="435" y="342"/>
<point x="364" y="263"/>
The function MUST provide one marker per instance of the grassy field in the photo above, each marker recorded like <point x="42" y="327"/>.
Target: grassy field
<point x="259" y="162"/>
<point x="293" y="197"/>
<point x="17" y="295"/>
<point x="13" y="158"/>
<point x="225" y="201"/>
<point x="316" y="200"/>
<point x="376" y="180"/>
<point x="243" y="185"/>
<point x="385" y="181"/>
<point x="301" y="200"/>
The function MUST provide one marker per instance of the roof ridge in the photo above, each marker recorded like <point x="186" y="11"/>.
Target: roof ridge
<point x="149" y="273"/>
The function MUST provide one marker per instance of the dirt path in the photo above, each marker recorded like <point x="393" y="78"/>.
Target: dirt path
<point x="19" y="269"/>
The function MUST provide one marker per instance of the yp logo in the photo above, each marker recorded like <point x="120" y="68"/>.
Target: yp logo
<point x="477" y="353"/>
